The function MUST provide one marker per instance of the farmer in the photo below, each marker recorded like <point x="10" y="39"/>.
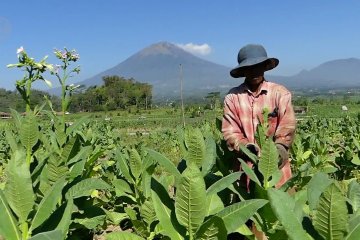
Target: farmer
<point x="244" y="106"/>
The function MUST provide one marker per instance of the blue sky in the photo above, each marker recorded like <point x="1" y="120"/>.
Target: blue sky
<point x="302" y="34"/>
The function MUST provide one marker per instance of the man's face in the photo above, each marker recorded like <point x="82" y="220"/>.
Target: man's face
<point x="254" y="74"/>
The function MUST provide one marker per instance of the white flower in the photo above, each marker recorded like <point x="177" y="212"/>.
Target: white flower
<point x="20" y="50"/>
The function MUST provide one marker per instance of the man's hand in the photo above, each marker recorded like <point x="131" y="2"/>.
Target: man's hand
<point x="283" y="155"/>
<point x="253" y="148"/>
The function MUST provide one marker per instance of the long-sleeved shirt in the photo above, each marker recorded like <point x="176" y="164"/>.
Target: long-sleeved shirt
<point x="243" y="110"/>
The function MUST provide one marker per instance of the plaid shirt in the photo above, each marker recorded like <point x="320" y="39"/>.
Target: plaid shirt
<point x="243" y="110"/>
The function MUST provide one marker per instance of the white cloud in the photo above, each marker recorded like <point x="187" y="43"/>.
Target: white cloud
<point x="203" y="49"/>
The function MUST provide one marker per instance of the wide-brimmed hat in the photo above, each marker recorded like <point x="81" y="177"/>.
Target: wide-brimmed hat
<point x="250" y="55"/>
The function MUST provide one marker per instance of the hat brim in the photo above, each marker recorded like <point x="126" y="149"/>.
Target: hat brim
<point x="238" y="71"/>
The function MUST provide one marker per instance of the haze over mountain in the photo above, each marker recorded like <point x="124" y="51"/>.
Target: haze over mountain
<point x="159" y="65"/>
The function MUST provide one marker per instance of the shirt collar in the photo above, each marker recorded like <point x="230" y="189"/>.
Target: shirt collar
<point x="264" y="88"/>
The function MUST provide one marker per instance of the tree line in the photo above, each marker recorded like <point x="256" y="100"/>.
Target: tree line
<point x="116" y="93"/>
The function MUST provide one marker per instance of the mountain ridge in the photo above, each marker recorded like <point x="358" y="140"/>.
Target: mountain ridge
<point x="159" y="65"/>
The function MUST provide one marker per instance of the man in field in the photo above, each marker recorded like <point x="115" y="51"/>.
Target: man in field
<point x="244" y="106"/>
<point x="243" y="109"/>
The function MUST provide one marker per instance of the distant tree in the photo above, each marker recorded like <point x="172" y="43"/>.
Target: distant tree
<point x="116" y="93"/>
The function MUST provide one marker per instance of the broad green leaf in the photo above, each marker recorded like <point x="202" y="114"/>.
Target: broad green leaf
<point x="164" y="209"/>
<point x="84" y="153"/>
<point x="85" y="187"/>
<point x="354" y="195"/>
<point x="283" y="206"/>
<point x="331" y="217"/>
<point x="91" y="222"/>
<point x="212" y="229"/>
<point x="210" y="156"/>
<point x="268" y="163"/>
<point x="18" y="188"/>
<point x="115" y="217"/>
<point x="318" y="183"/>
<point x="122" y="236"/>
<point x="65" y="221"/>
<point x="135" y="163"/>
<point x="29" y="131"/>
<point x="122" y="165"/>
<point x="223" y="183"/>
<point x="47" y="204"/>
<point x="122" y="187"/>
<point x="56" y="169"/>
<point x="8" y="226"/>
<point x="51" y="235"/>
<point x="195" y="145"/>
<point x="237" y="214"/>
<point x="213" y="204"/>
<point x="249" y="172"/>
<point x="166" y="163"/>
<point x="77" y="125"/>
<point x="354" y="233"/>
<point x="190" y="198"/>
<point x="70" y="149"/>
<point x="147" y="212"/>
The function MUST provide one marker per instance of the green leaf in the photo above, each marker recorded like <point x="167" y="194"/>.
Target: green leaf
<point x="70" y="149"/>
<point x="249" y="172"/>
<point x="122" y="187"/>
<point x="164" y="208"/>
<point x="268" y="163"/>
<point x="18" y="188"/>
<point x="47" y="204"/>
<point x="237" y="214"/>
<point x="210" y="156"/>
<point x="331" y="217"/>
<point x="122" y="236"/>
<point x="195" y="145"/>
<point x="135" y="163"/>
<point x="51" y="235"/>
<point x="77" y="125"/>
<point x="166" y="163"/>
<point x="223" y="183"/>
<point x="29" y="131"/>
<point x="8" y="226"/>
<point x="318" y="183"/>
<point x="91" y="222"/>
<point x="122" y="165"/>
<point x="214" y="204"/>
<point x="283" y="206"/>
<point x="147" y="212"/>
<point x="212" y="229"/>
<point x="56" y="169"/>
<point x="354" y="233"/>
<point x="354" y="195"/>
<point x="190" y="198"/>
<point x="85" y="187"/>
<point x="65" y="221"/>
<point x="115" y="217"/>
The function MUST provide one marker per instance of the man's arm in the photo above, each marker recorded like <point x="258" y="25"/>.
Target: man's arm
<point x="231" y="126"/>
<point x="285" y="131"/>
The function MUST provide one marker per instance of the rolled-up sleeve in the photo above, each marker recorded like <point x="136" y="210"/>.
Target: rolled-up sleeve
<point x="231" y="126"/>
<point x="285" y="131"/>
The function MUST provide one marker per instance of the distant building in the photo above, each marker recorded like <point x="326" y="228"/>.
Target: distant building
<point x="300" y="110"/>
<point x="4" y="115"/>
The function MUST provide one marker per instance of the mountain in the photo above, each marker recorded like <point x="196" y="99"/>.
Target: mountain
<point x="159" y="65"/>
<point x="340" y="73"/>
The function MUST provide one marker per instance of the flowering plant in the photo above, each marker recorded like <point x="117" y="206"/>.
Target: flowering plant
<point x="33" y="71"/>
<point x="67" y="57"/>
